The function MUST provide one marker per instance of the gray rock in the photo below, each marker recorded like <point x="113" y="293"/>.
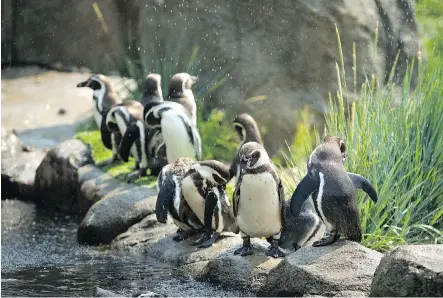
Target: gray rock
<point x="340" y="268"/>
<point x="119" y="206"/>
<point x="237" y="272"/>
<point x="17" y="215"/>
<point x="412" y="270"/>
<point x="56" y="178"/>
<point x="143" y="234"/>
<point x="18" y="166"/>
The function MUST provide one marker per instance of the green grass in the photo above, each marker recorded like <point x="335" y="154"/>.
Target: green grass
<point x="394" y="138"/>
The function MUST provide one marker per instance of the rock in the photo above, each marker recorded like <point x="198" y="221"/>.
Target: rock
<point x="7" y="33"/>
<point x="411" y="270"/>
<point x="16" y="215"/>
<point x="99" y="292"/>
<point x="143" y="234"/>
<point x="252" y="45"/>
<point x="121" y="206"/>
<point x="337" y="269"/>
<point x="18" y="167"/>
<point x="56" y="178"/>
<point x="237" y="272"/>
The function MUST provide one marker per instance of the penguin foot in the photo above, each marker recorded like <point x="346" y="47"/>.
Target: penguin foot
<point x="275" y="252"/>
<point x="132" y="177"/>
<point x="210" y="241"/>
<point x="244" y="251"/>
<point x="183" y="235"/>
<point x="204" y="237"/>
<point x="325" y="241"/>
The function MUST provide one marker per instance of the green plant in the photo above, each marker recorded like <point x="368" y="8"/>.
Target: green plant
<point x="394" y="138"/>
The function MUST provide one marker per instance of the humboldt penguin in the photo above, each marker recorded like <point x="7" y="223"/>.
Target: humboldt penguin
<point x="204" y="189"/>
<point x="258" y="199"/>
<point x="248" y="131"/>
<point x="150" y="140"/>
<point x="104" y="99"/>
<point x="333" y="191"/>
<point x="180" y="135"/>
<point x="170" y="200"/>
<point x="180" y="91"/>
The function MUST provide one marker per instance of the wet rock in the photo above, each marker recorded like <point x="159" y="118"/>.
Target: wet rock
<point x="99" y="292"/>
<point x="18" y="166"/>
<point x="119" y="206"/>
<point x="17" y="215"/>
<point x="56" y="178"/>
<point x="143" y="234"/>
<point x="337" y="269"/>
<point x="411" y="270"/>
<point x="237" y="272"/>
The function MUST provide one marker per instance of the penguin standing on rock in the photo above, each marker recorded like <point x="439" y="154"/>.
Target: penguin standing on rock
<point x="258" y="200"/>
<point x="204" y="189"/>
<point x="248" y="131"/>
<point x="333" y="191"/>
<point x="105" y="98"/>
<point x="180" y="91"/>
<point x="180" y="135"/>
<point x="152" y="152"/>
<point x="170" y="200"/>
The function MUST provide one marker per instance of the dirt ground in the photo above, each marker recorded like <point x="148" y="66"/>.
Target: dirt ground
<point x="31" y="100"/>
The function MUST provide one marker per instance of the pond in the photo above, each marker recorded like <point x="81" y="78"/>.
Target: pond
<point x="43" y="258"/>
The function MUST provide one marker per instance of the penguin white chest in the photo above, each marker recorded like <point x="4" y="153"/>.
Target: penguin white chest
<point x="192" y="196"/>
<point x="97" y="117"/>
<point x="122" y="127"/>
<point x="176" y="137"/>
<point x="258" y="213"/>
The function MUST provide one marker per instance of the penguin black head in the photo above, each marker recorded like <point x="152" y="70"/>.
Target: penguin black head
<point x="181" y="84"/>
<point x="152" y="86"/>
<point x="334" y="140"/>
<point x="252" y="155"/>
<point x="247" y="129"/>
<point x="95" y="82"/>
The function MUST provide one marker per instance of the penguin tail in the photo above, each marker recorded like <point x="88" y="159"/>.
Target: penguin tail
<point x="362" y="183"/>
<point x="131" y="135"/>
<point x="165" y="197"/>
<point x="304" y="189"/>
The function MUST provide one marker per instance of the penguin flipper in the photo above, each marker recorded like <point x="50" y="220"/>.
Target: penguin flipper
<point x="105" y="134"/>
<point x="362" y="183"/>
<point x="165" y="198"/>
<point x="131" y="135"/>
<point x="236" y="196"/>
<point x="281" y="197"/>
<point x="304" y="189"/>
<point x="211" y="201"/>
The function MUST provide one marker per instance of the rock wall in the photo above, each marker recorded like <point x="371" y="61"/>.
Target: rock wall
<point x="284" y="51"/>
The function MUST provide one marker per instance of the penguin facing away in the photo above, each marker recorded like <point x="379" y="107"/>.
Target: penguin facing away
<point x="248" y="131"/>
<point x="333" y="191"/>
<point x="104" y="99"/>
<point x="180" y="135"/>
<point x="258" y="200"/>
<point x="204" y="189"/>
<point x="170" y="201"/>
<point x="152" y="146"/>
<point x="180" y="91"/>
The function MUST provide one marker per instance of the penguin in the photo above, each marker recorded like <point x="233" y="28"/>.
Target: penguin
<point x="180" y="135"/>
<point x="180" y="91"/>
<point x="333" y="191"/>
<point x="150" y="140"/>
<point x="204" y="189"/>
<point x="258" y="199"/>
<point x="104" y="99"/>
<point x="248" y="131"/>
<point x="170" y="201"/>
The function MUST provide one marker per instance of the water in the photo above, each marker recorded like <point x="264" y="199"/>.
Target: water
<point x="43" y="258"/>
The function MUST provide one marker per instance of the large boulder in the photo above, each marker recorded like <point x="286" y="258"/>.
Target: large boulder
<point x="412" y="271"/>
<point x="16" y="215"/>
<point x="56" y="178"/>
<point x="267" y="50"/>
<point x="119" y="206"/>
<point x="237" y="272"/>
<point x="18" y="166"/>
<point x="335" y="270"/>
